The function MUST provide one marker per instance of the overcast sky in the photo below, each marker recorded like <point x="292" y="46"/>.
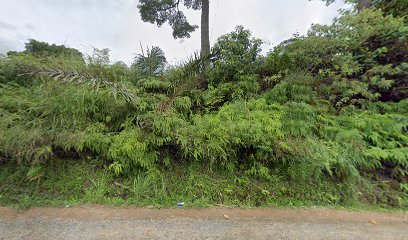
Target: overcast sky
<point x="116" y="24"/>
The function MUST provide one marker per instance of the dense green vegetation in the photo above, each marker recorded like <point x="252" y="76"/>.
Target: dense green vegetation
<point x="321" y="119"/>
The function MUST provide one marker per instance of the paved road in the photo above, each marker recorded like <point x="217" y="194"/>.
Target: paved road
<point x="117" y="223"/>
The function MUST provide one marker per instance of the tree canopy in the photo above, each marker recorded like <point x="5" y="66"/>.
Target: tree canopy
<point x="43" y="49"/>
<point x="162" y="11"/>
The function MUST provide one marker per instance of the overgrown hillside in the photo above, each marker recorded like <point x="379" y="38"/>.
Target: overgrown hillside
<point x="321" y="119"/>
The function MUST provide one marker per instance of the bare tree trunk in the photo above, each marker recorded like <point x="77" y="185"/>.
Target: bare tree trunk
<point x="205" y="28"/>
<point x="363" y="4"/>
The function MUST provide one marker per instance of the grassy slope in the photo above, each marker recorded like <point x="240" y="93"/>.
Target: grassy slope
<point x="77" y="182"/>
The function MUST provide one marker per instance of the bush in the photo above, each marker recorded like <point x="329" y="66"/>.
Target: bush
<point x="355" y="63"/>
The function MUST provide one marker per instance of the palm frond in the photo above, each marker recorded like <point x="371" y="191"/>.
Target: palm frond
<point x="75" y="76"/>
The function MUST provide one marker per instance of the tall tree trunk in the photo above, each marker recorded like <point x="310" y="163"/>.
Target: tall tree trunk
<point x="363" y="4"/>
<point x="205" y="28"/>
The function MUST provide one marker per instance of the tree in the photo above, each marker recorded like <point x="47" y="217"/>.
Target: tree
<point x="361" y="4"/>
<point x="43" y="49"/>
<point x="397" y="8"/>
<point x="100" y="57"/>
<point x="233" y="55"/>
<point x="151" y="64"/>
<point x="162" y="11"/>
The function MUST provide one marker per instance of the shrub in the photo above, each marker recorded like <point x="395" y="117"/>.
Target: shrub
<point x="233" y="55"/>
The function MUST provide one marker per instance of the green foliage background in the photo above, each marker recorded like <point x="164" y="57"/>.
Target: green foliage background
<point x="321" y="119"/>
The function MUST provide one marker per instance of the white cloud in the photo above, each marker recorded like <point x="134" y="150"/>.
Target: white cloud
<point x="7" y="26"/>
<point x="7" y="45"/>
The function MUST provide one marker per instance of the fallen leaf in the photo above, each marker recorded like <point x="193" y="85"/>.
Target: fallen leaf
<point x="226" y="216"/>
<point x="373" y="221"/>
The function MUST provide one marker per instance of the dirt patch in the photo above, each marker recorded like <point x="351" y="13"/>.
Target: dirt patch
<point x="106" y="213"/>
